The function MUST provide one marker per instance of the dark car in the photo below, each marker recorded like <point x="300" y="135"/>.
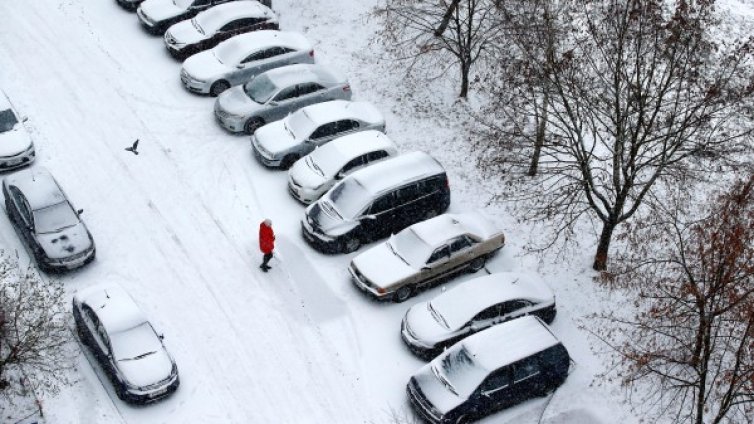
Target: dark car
<point x="130" y="5"/>
<point x="158" y="15"/>
<point x="491" y="370"/>
<point x="125" y="344"/>
<point x="46" y="220"/>
<point x="376" y="201"/>
<point x="217" y="24"/>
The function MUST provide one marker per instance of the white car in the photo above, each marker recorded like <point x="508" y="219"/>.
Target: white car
<point x="425" y="253"/>
<point x="281" y="143"/>
<point x="16" y="147"/>
<point x="311" y="176"/>
<point x="241" y="58"/>
<point x="114" y="328"/>
<point x="429" y="327"/>
<point x="217" y="24"/>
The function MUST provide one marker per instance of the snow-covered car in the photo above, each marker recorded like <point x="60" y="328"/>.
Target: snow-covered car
<point x="376" y="201"/>
<point x="274" y="94"/>
<point x="425" y="253"/>
<point x="113" y="327"/>
<point x="16" y="147"/>
<point x="216" y="24"/>
<point x="311" y="176"/>
<point x="241" y="58"/>
<point x="429" y="327"/>
<point x="156" y="16"/>
<point x="46" y="220"/>
<point x="283" y="142"/>
<point x="493" y="369"/>
<point x="130" y="5"/>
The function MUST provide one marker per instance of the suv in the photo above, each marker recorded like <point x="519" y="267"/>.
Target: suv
<point x="376" y="201"/>
<point x="115" y="330"/>
<point x="275" y="93"/>
<point x="216" y="24"/>
<point x="491" y="370"/>
<point x="281" y="143"/>
<point x="314" y="174"/>
<point x="46" y="220"/>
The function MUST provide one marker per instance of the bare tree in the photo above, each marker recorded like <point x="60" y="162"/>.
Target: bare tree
<point x="439" y="34"/>
<point x="34" y="335"/>
<point x="690" y="346"/>
<point x="637" y="94"/>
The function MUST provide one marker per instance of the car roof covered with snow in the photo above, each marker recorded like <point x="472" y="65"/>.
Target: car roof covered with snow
<point x="285" y="76"/>
<point x="114" y="307"/>
<point x="337" y="110"/>
<point x="508" y="342"/>
<point x="389" y="173"/>
<point x="217" y="16"/>
<point x="343" y="149"/>
<point x="440" y="229"/>
<point x="38" y="186"/>
<point x="460" y="304"/>
<point x="245" y="44"/>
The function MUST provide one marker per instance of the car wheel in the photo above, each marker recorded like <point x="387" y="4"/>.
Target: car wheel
<point x="351" y="245"/>
<point x="477" y="264"/>
<point x="462" y="419"/>
<point x="402" y="294"/>
<point x="218" y="87"/>
<point x="252" y="125"/>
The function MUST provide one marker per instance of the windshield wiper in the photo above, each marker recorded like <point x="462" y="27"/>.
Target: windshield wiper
<point x="444" y="381"/>
<point x="314" y="166"/>
<point x="289" y="130"/>
<point x="395" y="252"/>
<point x="436" y="315"/>
<point x="196" y="25"/>
<point x="140" y="356"/>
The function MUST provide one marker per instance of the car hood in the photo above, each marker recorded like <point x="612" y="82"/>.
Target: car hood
<point x="436" y="393"/>
<point x="382" y="267"/>
<point x="66" y="242"/>
<point x="147" y="370"/>
<point x="205" y="66"/>
<point x="160" y="10"/>
<point x="14" y="141"/>
<point x="305" y="176"/>
<point x="423" y="325"/>
<point x="274" y="138"/>
<point x="235" y="101"/>
<point x="326" y="222"/>
<point x="184" y="33"/>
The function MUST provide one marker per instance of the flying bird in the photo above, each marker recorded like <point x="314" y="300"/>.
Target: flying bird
<point x="132" y="149"/>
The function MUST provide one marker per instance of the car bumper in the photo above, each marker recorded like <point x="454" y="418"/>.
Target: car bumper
<point x="230" y="123"/>
<point x="301" y="194"/>
<point x="362" y="285"/>
<point x="151" y="27"/>
<point x="18" y="161"/>
<point x="424" y="412"/>
<point x="70" y="264"/>
<point x="263" y="159"/>
<point x="194" y="85"/>
<point x="416" y="347"/>
<point x="319" y="243"/>
<point x="154" y="395"/>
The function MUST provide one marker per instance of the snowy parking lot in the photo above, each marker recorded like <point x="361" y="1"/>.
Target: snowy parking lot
<point x="177" y="227"/>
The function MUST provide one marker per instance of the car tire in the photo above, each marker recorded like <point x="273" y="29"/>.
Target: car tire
<point x="351" y="245"/>
<point x="402" y="294"/>
<point x="462" y="419"/>
<point x="252" y="125"/>
<point x="477" y="264"/>
<point x="218" y="87"/>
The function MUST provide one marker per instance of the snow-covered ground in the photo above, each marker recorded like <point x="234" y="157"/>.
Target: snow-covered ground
<point x="177" y="227"/>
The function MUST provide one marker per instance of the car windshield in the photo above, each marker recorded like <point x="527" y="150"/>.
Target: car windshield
<point x="209" y="21"/>
<point x="7" y="120"/>
<point x="135" y="343"/>
<point x="226" y="52"/>
<point x="299" y="124"/>
<point x="327" y="161"/>
<point x="260" y="89"/>
<point x="54" y="218"/>
<point x="460" y="371"/>
<point x="349" y="198"/>
<point x="410" y="247"/>
<point x="183" y="4"/>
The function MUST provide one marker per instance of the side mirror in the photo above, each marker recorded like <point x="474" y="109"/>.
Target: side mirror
<point x="273" y="103"/>
<point x="161" y="336"/>
<point x="368" y="217"/>
<point x="24" y="118"/>
<point x="79" y="212"/>
<point x="239" y="66"/>
<point x="340" y="175"/>
<point x="425" y="268"/>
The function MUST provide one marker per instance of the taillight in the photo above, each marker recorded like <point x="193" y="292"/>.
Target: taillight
<point x="311" y="53"/>
<point x="380" y="290"/>
<point x="347" y="87"/>
<point x="447" y="184"/>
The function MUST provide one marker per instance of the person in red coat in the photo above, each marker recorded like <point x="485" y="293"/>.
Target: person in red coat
<point x="266" y="243"/>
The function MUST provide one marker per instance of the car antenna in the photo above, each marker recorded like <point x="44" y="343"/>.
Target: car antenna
<point x="515" y="281"/>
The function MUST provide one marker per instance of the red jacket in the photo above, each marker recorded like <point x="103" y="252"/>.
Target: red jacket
<point x="266" y="239"/>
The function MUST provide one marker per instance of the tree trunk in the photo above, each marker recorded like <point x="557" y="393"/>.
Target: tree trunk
<point x="446" y="18"/>
<point x="539" y="141"/>
<point x="465" y="68"/>
<point x="600" y="259"/>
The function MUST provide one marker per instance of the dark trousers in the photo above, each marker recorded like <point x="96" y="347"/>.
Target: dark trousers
<point x="265" y="259"/>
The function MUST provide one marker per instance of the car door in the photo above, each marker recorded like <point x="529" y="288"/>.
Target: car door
<point x="311" y="93"/>
<point x="463" y="249"/>
<point x="437" y="264"/>
<point x="484" y="319"/>
<point x="527" y="374"/>
<point x="23" y="217"/>
<point x="99" y="341"/>
<point x="350" y="166"/>
<point x="376" y="221"/>
<point x="323" y="134"/>
<point x="408" y="199"/>
<point x="345" y="127"/>
<point x="283" y="103"/>
<point x="497" y="390"/>
<point x="514" y="309"/>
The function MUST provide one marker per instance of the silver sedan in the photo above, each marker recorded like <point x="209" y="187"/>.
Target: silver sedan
<point x="274" y="94"/>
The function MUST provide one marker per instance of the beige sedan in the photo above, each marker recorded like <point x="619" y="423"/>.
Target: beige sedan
<point x="425" y="253"/>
